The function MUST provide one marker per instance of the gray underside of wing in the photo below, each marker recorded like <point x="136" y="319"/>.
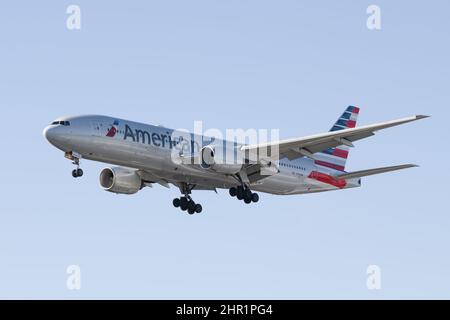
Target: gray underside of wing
<point x="318" y="147"/>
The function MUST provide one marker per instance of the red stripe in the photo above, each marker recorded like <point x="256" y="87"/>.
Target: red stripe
<point x="351" y="123"/>
<point x="340" y="153"/>
<point x="355" y="110"/>
<point x="325" y="178"/>
<point x="329" y="165"/>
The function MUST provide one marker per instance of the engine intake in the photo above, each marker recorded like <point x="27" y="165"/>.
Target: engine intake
<point x="210" y="159"/>
<point x="120" y="180"/>
<point x="207" y="157"/>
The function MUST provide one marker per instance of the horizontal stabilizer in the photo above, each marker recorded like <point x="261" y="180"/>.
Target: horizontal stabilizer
<point x="364" y="173"/>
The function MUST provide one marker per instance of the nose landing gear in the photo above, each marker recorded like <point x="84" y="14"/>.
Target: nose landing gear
<point x="75" y="157"/>
<point x="76" y="173"/>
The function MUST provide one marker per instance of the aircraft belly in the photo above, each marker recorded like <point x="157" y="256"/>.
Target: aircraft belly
<point x="146" y="157"/>
<point x="159" y="162"/>
<point x="281" y="183"/>
<point x="118" y="152"/>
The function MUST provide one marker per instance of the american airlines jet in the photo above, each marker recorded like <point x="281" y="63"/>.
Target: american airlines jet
<point x="144" y="155"/>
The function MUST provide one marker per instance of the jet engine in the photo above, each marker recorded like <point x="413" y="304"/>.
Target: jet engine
<point x="120" y="180"/>
<point x="211" y="158"/>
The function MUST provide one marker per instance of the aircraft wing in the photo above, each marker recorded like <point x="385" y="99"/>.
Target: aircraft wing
<point x="364" y="173"/>
<point x="307" y="146"/>
<point x="150" y="178"/>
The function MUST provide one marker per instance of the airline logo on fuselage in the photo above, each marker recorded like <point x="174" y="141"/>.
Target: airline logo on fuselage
<point x="113" y="130"/>
<point x="145" y="137"/>
<point x="168" y="139"/>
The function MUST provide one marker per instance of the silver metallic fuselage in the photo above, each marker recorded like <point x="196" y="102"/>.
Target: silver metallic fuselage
<point x="150" y="148"/>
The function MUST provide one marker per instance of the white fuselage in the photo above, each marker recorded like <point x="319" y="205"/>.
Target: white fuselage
<point x="151" y="148"/>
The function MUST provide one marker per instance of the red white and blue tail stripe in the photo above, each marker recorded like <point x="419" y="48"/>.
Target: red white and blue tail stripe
<point x="335" y="158"/>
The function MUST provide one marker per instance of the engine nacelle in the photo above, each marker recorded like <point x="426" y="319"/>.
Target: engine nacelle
<point x="216" y="161"/>
<point x="120" y="180"/>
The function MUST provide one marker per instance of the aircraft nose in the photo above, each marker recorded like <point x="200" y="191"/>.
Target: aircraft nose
<point x="57" y="136"/>
<point x="49" y="133"/>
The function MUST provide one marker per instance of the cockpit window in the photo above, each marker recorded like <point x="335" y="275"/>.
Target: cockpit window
<point x="63" y="123"/>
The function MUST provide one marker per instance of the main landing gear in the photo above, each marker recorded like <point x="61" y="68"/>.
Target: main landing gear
<point x="185" y="202"/>
<point x="244" y="193"/>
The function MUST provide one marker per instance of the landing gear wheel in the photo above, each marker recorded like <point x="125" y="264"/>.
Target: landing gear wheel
<point x="240" y="193"/>
<point x="76" y="173"/>
<point x="233" y="192"/>
<point x="248" y="194"/>
<point x="184" y="203"/>
<point x="255" y="197"/>
<point x="176" y="202"/>
<point x="247" y="200"/>
<point x="191" y="206"/>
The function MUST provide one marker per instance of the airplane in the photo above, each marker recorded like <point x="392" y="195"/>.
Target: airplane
<point x="142" y="155"/>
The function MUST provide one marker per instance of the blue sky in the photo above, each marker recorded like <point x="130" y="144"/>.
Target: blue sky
<point x="292" y="65"/>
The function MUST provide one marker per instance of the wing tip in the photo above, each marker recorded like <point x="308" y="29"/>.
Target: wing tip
<point x="422" y="116"/>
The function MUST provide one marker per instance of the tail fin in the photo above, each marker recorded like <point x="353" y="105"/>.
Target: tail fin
<point x="335" y="158"/>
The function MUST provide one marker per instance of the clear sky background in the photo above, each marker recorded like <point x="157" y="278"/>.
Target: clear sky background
<point x="292" y="65"/>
